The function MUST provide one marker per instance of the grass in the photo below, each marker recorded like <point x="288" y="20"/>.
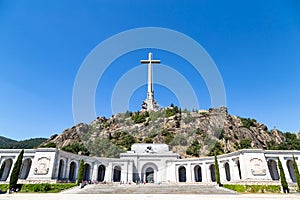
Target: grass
<point x="41" y="188"/>
<point x="254" y="188"/>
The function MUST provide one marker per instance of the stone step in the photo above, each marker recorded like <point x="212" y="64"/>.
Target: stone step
<point x="153" y="189"/>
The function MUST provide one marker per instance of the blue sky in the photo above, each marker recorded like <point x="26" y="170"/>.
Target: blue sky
<point x="255" y="45"/>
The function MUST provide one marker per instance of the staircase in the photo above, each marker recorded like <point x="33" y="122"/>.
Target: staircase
<point x="151" y="189"/>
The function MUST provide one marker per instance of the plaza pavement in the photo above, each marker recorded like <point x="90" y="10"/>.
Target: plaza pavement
<point x="62" y="196"/>
<point x="145" y="192"/>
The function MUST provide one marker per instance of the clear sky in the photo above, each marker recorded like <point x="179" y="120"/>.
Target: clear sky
<point x="255" y="45"/>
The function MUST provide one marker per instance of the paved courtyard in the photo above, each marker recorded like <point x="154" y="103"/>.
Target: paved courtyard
<point x="147" y="192"/>
<point x="62" y="196"/>
<point x="150" y="189"/>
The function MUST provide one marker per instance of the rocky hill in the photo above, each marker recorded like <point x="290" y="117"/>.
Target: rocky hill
<point x="189" y="133"/>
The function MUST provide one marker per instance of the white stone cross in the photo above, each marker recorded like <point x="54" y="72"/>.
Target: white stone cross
<point x="149" y="102"/>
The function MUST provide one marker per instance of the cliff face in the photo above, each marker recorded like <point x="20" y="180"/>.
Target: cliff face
<point x="184" y="131"/>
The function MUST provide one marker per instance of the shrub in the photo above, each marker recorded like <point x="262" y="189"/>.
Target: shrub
<point x="16" y="171"/>
<point x="168" y="137"/>
<point x="284" y="184"/>
<point x="245" y="144"/>
<point x="296" y="173"/>
<point x="139" y="117"/>
<point x="248" y="122"/>
<point x="172" y="111"/>
<point x="194" y="148"/>
<point x="254" y="188"/>
<point x="217" y="171"/>
<point x="80" y="172"/>
<point x="76" y="148"/>
<point x="217" y="149"/>
<point x="46" y="187"/>
<point x="49" y="145"/>
<point x="148" y="140"/>
<point x="3" y="187"/>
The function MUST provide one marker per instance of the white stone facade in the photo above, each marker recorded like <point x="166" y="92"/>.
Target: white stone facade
<point x="150" y="163"/>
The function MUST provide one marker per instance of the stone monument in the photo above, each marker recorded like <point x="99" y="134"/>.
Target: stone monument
<point x="150" y="104"/>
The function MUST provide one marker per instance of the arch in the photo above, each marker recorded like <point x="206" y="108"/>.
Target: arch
<point x="72" y="171"/>
<point x="25" y="168"/>
<point x="86" y="172"/>
<point x="198" y="173"/>
<point x="182" y="174"/>
<point x="61" y="169"/>
<point x="149" y="175"/>
<point x="272" y="165"/>
<point x="290" y="166"/>
<point x="212" y="173"/>
<point x="5" y="169"/>
<point x="227" y="171"/>
<point x="117" y="174"/>
<point x="101" y="173"/>
<point x="239" y="168"/>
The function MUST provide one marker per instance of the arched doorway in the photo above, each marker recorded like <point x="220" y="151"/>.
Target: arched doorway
<point x="290" y="166"/>
<point x="101" y="173"/>
<point x="212" y="173"/>
<point x="239" y="168"/>
<point x="117" y="174"/>
<point x="25" y="168"/>
<point x="61" y="169"/>
<point x="272" y="165"/>
<point x="149" y="175"/>
<point x="198" y="173"/>
<point x="5" y="169"/>
<point x="86" y="172"/>
<point x="227" y="171"/>
<point x="72" y="172"/>
<point x="182" y="174"/>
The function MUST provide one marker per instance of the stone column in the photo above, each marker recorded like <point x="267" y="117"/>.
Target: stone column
<point x="188" y="172"/>
<point x="206" y="173"/>
<point x="94" y="169"/>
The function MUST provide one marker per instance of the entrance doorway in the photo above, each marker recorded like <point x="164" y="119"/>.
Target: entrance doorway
<point x="149" y="175"/>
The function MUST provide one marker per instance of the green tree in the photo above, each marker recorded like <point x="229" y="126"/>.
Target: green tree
<point x="194" y="148"/>
<point x="16" y="171"/>
<point x="76" y="148"/>
<point x="80" y="172"/>
<point x="297" y="173"/>
<point x="245" y="144"/>
<point x="217" y="171"/>
<point x="284" y="184"/>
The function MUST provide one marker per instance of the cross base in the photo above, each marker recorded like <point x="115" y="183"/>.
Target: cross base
<point x="149" y="105"/>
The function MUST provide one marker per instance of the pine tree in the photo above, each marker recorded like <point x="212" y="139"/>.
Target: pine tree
<point x="16" y="171"/>
<point x="297" y="173"/>
<point x="80" y="172"/>
<point x="217" y="171"/>
<point x="284" y="184"/>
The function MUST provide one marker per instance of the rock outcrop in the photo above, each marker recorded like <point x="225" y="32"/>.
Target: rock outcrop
<point x="175" y="127"/>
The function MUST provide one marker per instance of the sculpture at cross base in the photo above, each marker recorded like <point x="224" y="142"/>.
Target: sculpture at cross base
<point x="150" y="104"/>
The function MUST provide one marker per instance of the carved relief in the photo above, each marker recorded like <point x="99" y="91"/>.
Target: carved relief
<point x="42" y="166"/>
<point x="257" y="167"/>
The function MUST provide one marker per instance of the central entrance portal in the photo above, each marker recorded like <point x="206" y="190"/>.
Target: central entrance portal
<point x="149" y="175"/>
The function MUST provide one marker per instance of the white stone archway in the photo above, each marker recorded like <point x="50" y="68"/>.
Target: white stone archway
<point x="87" y="172"/>
<point x="149" y="173"/>
<point x="5" y="169"/>
<point x="101" y="173"/>
<point x="25" y="168"/>
<point x="290" y="166"/>
<point x="198" y="173"/>
<point x="272" y="166"/>
<point x="227" y="171"/>
<point x="73" y="171"/>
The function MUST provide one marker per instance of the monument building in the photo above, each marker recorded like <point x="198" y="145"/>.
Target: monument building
<point x="150" y="163"/>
